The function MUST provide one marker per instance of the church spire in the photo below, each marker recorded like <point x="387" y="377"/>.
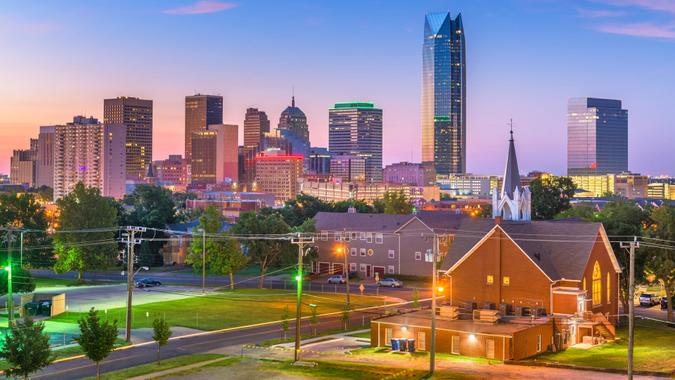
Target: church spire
<point x="511" y="173"/>
<point x="293" y="96"/>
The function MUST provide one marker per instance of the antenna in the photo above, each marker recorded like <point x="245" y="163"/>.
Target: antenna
<point x="293" y="96"/>
<point x="511" y="128"/>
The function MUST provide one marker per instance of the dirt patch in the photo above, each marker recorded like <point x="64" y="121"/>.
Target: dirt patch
<point x="245" y="370"/>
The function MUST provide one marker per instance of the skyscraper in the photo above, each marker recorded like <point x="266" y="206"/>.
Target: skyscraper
<point x="597" y="136"/>
<point x="22" y="167"/>
<point x="215" y="154"/>
<point x="278" y="173"/>
<point x="444" y="93"/>
<point x="136" y="114"/>
<point x="293" y="119"/>
<point x="200" y="112"/>
<point x="355" y="128"/>
<point x="256" y="124"/>
<point x="44" y="170"/>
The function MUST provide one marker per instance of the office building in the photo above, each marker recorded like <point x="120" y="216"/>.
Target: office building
<point x="22" y="167"/>
<point x="631" y="185"/>
<point x="256" y="124"/>
<point x="597" y="137"/>
<point x="44" y="164"/>
<point x="294" y="120"/>
<point x="336" y="191"/>
<point x="355" y="129"/>
<point x="319" y="161"/>
<point x="215" y="156"/>
<point x="348" y="168"/>
<point x="407" y="173"/>
<point x="200" y="112"/>
<point x="444" y="93"/>
<point x="92" y="153"/>
<point x="172" y="172"/>
<point x="136" y="114"/>
<point x="278" y="173"/>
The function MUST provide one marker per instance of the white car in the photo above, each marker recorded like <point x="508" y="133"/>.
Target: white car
<point x="391" y="282"/>
<point x="337" y="279"/>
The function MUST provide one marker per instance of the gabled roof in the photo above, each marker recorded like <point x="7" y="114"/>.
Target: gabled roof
<point x="338" y="221"/>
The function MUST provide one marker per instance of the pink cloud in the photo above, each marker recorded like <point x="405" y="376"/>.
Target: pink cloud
<point x="653" y="5"/>
<point x="640" y="30"/>
<point x="201" y="7"/>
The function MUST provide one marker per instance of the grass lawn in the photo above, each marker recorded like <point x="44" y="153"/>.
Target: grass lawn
<point x="654" y="350"/>
<point x="376" y="352"/>
<point x="340" y="370"/>
<point x="45" y="282"/>
<point x="365" y="335"/>
<point x="65" y="353"/>
<point x="228" y="308"/>
<point x="166" y="364"/>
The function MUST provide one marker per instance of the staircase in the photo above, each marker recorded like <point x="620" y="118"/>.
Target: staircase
<point x="604" y="327"/>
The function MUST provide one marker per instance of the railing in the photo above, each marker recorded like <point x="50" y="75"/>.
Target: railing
<point x="601" y="319"/>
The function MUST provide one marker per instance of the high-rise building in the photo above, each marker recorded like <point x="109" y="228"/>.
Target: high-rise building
<point x="136" y="114"/>
<point x="200" y="112"/>
<point x="22" y="167"/>
<point x="172" y="171"/>
<point x="597" y="137"/>
<point x="92" y="153"/>
<point x="294" y="120"/>
<point x="348" y="168"/>
<point x="319" y="161"/>
<point x="278" y="173"/>
<point x="444" y="93"/>
<point x="215" y="155"/>
<point x="355" y="129"/>
<point x="256" y="124"/>
<point x="44" y="165"/>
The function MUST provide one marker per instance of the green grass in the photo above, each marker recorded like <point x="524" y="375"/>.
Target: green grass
<point x="290" y="337"/>
<point x="66" y="352"/>
<point x="377" y="351"/>
<point x="176" y="362"/>
<point x="340" y="370"/>
<point x="228" y="309"/>
<point x="45" y="282"/>
<point x="654" y="350"/>
<point x="365" y="335"/>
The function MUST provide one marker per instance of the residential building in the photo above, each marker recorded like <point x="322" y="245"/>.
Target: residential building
<point x="597" y="137"/>
<point x="215" y="156"/>
<point x="22" y="167"/>
<point x="44" y="165"/>
<point x="348" y="168"/>
<point x="200" y="112"/>
<point x="136" y="114"/>
<point x="319" y="161"/>
<point x="278" y="173"/>
<point x="355" y="129"/>
<point x="444" y="93"/>
<point x="406" y="173"/>
<point x="92" y="153"/>
<point x="293" y="119"/>
<point x="514" y="201"/>
<point x="256" y="124"/>
<point x="172" y="172"/>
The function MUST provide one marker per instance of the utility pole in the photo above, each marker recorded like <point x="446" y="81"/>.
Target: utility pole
<point x="432" y="351"/>
<point x="21" y="249"/>
<point x="301" y="242"/>
<point x="346" y="267"/>
<point x="130" y="239"/>
<point x="203" y="260"/>
<point x="631" y="245"/>
<point x="8" y="269"/>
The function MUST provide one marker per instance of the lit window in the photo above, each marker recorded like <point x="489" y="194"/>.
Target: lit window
<point x="597" y="284"/>
<point x="352" y="252"/>
<point x="362" y="252"/>
<point x="506" y="280"/>
<point x="418" y="256"/>
<point x="609" y="287"/>
<point x="490" y="279"/>
<point x="538" y="343"/>
<point x="379" y="239"/>
<point x="391" y="254"/>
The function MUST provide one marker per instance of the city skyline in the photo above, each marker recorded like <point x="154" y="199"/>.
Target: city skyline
<point x="527" y="85"/>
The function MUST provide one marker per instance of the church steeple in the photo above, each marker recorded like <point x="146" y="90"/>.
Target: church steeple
<point x="514" y="201"/>
<point x="511" y="173"/>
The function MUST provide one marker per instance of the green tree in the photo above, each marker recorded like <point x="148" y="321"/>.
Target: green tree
<point x="226" y="258"/>
<point x="302" y="208"/>
<point x="396" y="202"/>
<point x="361" y="207"/>
<point x="284" y="321"/>
<point x="24" y="211"/>
<point x="486" y="211"/>
<point x="97" y="338"/>
<point x="265" y="253"/>
<point x="46" y="193"/>
<point x="210" y="222"/>
<point x="583" y="212"/>
<point x="26" y="348"/>
<point x="551" y="196"/>
<point x="161" y="335"/>
<point x="660" y="262"/>
<point x="85" y="209"/>
<point x="22" y="281"/>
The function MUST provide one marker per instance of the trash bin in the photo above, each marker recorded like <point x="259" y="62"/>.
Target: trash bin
<point x="394" y="344"/>
<point x="403" y="344"/>
<point x="411" y="345"/>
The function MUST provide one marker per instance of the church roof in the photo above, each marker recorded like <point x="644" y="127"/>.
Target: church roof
<point x="511" y="173"/>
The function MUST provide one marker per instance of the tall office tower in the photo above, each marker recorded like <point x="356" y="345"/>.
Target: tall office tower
<point x="92" y="153"/>
<point x="355" y="129"/>
<point x="200" y="112"/>
<point x="597" y="137"/>
<point x="215" y="157"/>
<point x="294" y="120"/>
<point x="278" y="173"/>
<point x="444" y="94"/>
<point x="22" y="168"/>
<point x="256" y="124"/>
<point x="136" y="114"/>
<point x="44" y="165"/>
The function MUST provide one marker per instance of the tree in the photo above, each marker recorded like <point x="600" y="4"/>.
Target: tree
<point x="225" y="258"/>
<point x="396" y="202"/>
<point x="303" y="207"/>
<point x="284" y="321"/>
<point x="24" y="211"/>
<point x="22" y="281"/>
<point x="583" y="212"/>
<point x="161" y="335"/>
<point x="486" y="211"/>
<point x="97" y="338"/>
<point x="267" y="252"/>
<point x="26" y="348"/>
<point x="551" y="196"/>
<point x="660" y="262"/>
<point x="361" y="206"/>
<point x="84" y="208"/>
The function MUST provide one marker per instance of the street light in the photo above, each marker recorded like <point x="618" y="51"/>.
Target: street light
<point x="10" y="301"/>
<point x="342" y="250"/>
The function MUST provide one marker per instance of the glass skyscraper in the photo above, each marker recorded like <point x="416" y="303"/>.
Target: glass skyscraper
<point x="597" y="136"/>
<point x="444" y="93"/>
<point x="355" y="129"/>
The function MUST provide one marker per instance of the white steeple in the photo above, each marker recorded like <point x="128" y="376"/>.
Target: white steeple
<point x="513" y="202"/>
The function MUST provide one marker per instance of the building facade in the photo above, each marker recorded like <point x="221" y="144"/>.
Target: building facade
<point x="172" y="171"/>
<point x="22" y="167"/>
<point x="136" y="114"/>
<point x="335" y="191"/>
<point x="278" y="173"/>
<point x="597" y="137"/>
<point x="444" y="93"/>
<point x="200" y="112"/>
<point x="348" y="168"/>
<point x="256" y="124"/>
<point x="319" y="161"/>
<point x="355" y="129"/>
<point x="294" y="120"/>
<point x="406" y="173"/>
<point x="44" y="165"/>
<point x="215" y="156"/>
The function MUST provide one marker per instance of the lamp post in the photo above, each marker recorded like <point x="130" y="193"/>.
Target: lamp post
<point x="203" y="231"/>
<point x="342" y="249"/>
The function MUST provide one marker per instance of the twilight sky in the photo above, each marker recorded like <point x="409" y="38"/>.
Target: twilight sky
<point x="525" y="58"/>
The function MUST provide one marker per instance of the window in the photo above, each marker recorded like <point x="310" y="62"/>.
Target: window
<point x="324" y="236"/>
<point x="428" y="256"/>
<point x="391" y="254"/>
<point x="353" y="235"/>
<point x="352" y="267"/>
<point x="379" y="238"/>
<point x="584" y="283"/>
<point x="362" y="267"/>
<point x="362" y="252"/>
<point x="362" y="236"/>
<point x="454" y="347"/>
<point x="336" y="236"/>
<point x="506" y="280"/>
<point x="352" y="252"/>
<point x="387" y="336"/>
<point x="538" y="343"/>
<point x="421" y="340"/>
<point x="369" y="237"/>
<point x="597" y="284"/>
<point x="418" y="256"/>
<point x="609" y="286"/>
<point x="490" y="279"/>
<point x="390" y="269"/>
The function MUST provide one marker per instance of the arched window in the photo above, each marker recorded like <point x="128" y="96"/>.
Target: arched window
<point x="584" y="282"/>
<point x="597" y="284"/>
<point x="609" y="287"/>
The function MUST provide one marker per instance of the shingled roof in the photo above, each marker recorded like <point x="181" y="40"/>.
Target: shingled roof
<point x="338" y="221"/>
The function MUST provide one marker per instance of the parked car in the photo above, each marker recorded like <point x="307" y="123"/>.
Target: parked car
<point x="649" y="300"/>
<point x="664" y="302"/>
<point x="390" y="282"/>
<point x="337" y="279"/>
<point x="147" y="283"/>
